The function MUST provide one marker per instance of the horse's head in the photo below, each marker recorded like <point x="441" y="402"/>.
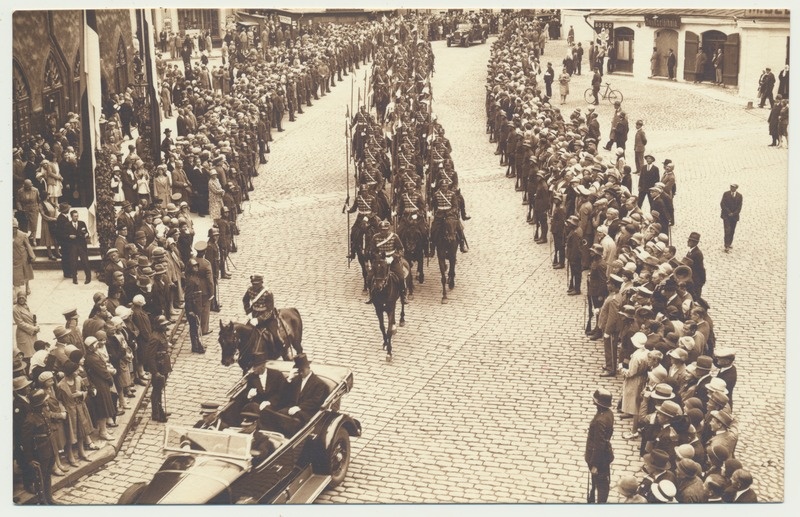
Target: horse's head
<point x="450" y="227"/>
<point x="411" y="236"/>
<point x="380" y="274"/>
<point x="228" y="342"/>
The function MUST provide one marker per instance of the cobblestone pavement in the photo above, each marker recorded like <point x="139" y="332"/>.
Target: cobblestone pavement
<point x="488" y="398"/>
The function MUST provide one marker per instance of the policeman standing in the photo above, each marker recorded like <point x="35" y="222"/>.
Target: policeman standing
<point x="599" y="454"/>
<point x="158" y="364"/>
<point x="209" y="284"/>
<point x="194" y="305"/>
<point x="37" y="449"/>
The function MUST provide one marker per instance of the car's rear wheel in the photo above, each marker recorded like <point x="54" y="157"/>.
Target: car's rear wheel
<point x="337" y="459"/>
<point x="133" y="492"/>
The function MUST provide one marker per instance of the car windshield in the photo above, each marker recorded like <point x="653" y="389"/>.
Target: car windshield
<point x="464" y="27"/>
<point x="205" y="441"/>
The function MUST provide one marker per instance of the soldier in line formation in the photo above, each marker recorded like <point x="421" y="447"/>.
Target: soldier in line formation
<point x="404" y="149"/>
<point x="643" y="295"/>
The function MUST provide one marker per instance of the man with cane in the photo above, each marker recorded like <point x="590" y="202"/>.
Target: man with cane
<point x="599" y="453"/>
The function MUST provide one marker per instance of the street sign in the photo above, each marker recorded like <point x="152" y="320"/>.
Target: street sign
<point x="664" y="21"/>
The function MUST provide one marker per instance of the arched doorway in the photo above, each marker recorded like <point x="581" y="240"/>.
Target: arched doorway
<point x="623" y="50"/>
<point x="665" y="40"/>
<point x="22" y="107"/>
<point x="711" y="41"/>
<point x="53" y="94"/>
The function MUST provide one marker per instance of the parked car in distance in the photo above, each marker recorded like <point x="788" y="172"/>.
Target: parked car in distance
<point x="467" y="33"/>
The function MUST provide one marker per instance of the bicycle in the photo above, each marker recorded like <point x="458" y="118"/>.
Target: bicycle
<point x="612" y="95"/>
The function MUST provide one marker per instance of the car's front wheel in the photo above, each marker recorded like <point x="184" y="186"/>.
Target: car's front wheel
<point x="133" y="492"/>
<point x="337" y="459"/>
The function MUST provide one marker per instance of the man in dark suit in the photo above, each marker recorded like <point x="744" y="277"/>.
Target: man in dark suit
<point x="698" y="268"/>
<point x="62" y="223"/>
<point x="639" y="143"/>
<point x="727" y="370"/>
<point x="302" y="398"/>
<point x="599" y="453"/>
<point x="730" y="206"/>
<point x="77" y="236"/>
<point x="206" y="285"/>
<point x="740" y="488"/>
<point x="147" y="227"/>
<point x="767" y="85"/>
<point x="648" y="177"/>
<point x="265" y="386"/>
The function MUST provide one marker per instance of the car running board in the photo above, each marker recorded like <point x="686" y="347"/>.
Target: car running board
<point x="304" y="489"/>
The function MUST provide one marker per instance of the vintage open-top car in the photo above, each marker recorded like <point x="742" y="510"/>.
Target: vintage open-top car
<point x="211" y="466"/>
<point x="466" y="33"/>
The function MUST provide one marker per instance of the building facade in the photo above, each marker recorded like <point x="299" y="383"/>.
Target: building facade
<point x="194" y="21"/>
<point x="751" y="39"/>
<point x="46" y="65"/>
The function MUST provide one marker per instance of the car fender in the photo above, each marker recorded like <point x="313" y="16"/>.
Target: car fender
<point x="351" y="425"/>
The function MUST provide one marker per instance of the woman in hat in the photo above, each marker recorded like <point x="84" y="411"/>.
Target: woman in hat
<point x="72" y="392"/>
<point x="162" y="187"/>
<point x="27" y="328"/>
<point x="627" y="487"/>
<point x="121" y="357"/>
<point x="215" y="194"/>
<point x="27" y="201"/>
<point x="563" y="81"/>
<point x="634" y="379"/>
<point x="49" y="213"/>
<point x="142" y="182"/>
<point x="56" y="416"/>
<point x="101" y="379"/>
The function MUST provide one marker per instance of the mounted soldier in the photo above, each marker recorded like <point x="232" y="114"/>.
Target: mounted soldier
<point x="411" y="206"/>
<point x="386" y="245"/>
<point x="359" y="125"/>
<point x="366" y="222"/>
<point x="446" y="204"/>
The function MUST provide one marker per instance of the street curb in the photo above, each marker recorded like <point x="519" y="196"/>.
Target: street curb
<point x="106" y="454"/>
<point x="99" y="458"/>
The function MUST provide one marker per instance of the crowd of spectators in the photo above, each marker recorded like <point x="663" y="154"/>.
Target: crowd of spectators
<point x="79" y="382"/>
<point x="643" y="295"/>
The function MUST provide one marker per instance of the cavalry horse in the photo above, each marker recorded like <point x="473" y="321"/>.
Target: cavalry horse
<point x="249" y="342"/>
<point x="415" y="242"/>
<point x="367" y="230"/>
<point x="446" y="244"/>
<point x="385" y="291"/>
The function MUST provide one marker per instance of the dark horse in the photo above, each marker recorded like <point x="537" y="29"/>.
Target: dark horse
<point x="446" y="244"/>
<point x="251" y="342"/>
<point x="415" y="242"/>
<point x="384" y="291"/>
<point x="362" y="241"/>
